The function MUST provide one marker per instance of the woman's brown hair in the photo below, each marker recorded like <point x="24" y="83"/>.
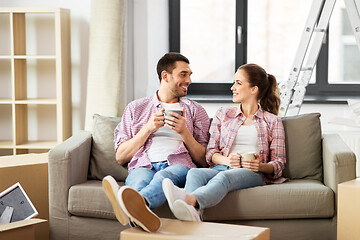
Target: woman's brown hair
<point x="268" y="96"/>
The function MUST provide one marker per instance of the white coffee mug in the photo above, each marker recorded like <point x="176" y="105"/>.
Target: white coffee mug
<point x="168" y="111"/>
<point x="248" y="155"/>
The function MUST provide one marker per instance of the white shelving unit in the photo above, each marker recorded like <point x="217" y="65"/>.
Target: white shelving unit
<point x="35" y="79"/>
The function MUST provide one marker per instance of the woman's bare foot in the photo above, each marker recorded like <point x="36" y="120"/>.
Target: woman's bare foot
<point x="190" y="199"/>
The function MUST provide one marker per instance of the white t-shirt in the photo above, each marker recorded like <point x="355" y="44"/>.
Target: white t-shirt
<point x="165" y="140"/>
<point x="246" y="140"/>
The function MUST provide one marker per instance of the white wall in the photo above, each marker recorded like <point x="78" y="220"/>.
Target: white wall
<point x="150" y="43"/>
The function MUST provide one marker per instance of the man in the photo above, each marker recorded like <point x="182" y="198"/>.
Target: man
<point x="156" y="146"/>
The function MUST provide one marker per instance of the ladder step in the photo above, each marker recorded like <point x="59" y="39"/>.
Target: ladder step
<point x="307" y="69"/>
<point x="303" y="69"/>
<point x="319" y="29"/>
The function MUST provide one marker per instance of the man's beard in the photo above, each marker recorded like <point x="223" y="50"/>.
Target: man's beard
<point x="178" y="93"/>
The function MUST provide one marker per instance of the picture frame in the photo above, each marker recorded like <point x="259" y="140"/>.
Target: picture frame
<point x="16" y="197"/>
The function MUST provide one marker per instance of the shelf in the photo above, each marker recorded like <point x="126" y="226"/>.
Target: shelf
<point x="5" y="101"/>
<point x="28" y="57"/>
<point x="45" y="101"/>
<point x="6" y="152"/>
<point x="6" y="144"/>
<point x="37" y="145"/>
<point x="31" y="10"/>
<point x="34" y="57"/>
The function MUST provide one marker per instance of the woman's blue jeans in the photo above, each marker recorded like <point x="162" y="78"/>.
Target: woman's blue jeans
<point x="210" y="185"/>
<point x="148" y="182"/>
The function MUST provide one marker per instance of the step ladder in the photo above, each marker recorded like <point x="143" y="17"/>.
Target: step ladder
<point x="292" y="91"/>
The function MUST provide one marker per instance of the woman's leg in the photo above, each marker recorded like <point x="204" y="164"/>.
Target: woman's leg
<point x="225" y="181"/>
<point x="198" y="177"/>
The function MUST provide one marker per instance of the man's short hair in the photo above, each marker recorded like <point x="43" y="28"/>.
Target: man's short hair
<point x="168" y="62"/>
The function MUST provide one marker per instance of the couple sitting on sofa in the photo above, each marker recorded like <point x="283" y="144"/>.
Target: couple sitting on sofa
<point x="163" y="150"/>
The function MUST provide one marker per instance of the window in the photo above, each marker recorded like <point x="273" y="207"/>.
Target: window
<point x="274" y="33"/>
<point x="339" y="59"/>
<point x="219" y="35"/>
<point x="343" y="67"/>
<point x="207" y="32"/>
<point x="211" y="34"/>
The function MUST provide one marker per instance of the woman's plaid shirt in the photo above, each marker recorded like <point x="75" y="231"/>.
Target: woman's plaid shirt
<point x="271" y="138"/>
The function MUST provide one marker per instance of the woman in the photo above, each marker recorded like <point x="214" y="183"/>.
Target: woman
<point x="251" y="127"/>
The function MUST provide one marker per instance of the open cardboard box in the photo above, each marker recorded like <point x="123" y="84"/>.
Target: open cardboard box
<point x="31" y="171"/>
<point x="348" y="221"/>
<point x="181" y="230"/>
<point x="20" y="230"/>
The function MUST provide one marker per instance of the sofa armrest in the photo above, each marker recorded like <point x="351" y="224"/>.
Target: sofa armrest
<point x="339" y="161"/>
<point x="68" y="165"/>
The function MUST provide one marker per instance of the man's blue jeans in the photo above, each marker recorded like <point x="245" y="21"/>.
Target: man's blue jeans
<point x="210" y="185"/>
<point x="148" y="182"/>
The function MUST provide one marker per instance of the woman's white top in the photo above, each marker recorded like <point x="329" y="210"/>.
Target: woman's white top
<point x="165" y="140"/>
<point x="246" y="140"/>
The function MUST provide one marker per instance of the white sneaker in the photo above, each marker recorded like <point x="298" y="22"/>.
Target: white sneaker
<point x="133" y="204"/>
<point x="111" y="188"/>
<point x="185" y="212"/>
<point x="172" y="192"/>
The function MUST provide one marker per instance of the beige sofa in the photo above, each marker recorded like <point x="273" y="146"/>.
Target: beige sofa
<point x="303" y="208"/>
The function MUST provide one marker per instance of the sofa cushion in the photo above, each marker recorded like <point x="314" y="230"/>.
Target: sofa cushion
<point x="295" y="199"/>
<point x="89" y="200"/>
<point x="291" y="200"/>
<point x="102" y="161"/>
<point x="303" y="147"/>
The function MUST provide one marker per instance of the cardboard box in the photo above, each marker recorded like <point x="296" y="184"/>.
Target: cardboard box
<point x="20" y="230"/>
<point x="172" y="229"/>
<point x="348" y="210"/>
<point x="31" y="171"/>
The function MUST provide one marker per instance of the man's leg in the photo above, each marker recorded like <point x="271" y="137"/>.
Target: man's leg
<point x="154" y="194"/>
<point x="139" y="178"/>
<point x="111" y="189"/>
<point x="128" y="203"/>
<point x="134" y="206"/>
